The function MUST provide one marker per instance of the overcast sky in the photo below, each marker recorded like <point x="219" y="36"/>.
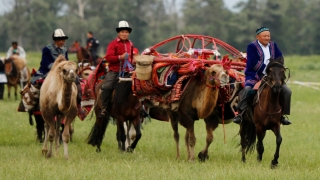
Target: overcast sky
<point x="5" y="4"/>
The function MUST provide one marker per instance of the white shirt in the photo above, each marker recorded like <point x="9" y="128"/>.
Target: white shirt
<point x="266" y="53"/>
<point x="21" y="51"/>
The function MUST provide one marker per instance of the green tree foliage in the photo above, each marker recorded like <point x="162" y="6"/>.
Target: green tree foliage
<point x="293" y="24"/>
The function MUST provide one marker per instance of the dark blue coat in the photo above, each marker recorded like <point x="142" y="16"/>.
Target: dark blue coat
<point x="255" y="61"/>
<point x="49" y="55"/>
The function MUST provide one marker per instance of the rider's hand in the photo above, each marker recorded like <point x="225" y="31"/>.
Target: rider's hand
<point x="123" y="56"/>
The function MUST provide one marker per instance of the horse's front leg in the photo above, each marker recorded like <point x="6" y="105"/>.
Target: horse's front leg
<point x="9" y="90"/>
<point x="261" y="132"/>
<point x="211" y="124"/>
<point x="137" y="127"/>
<point x="276" y="131"/>
<point x="16" y="92"/>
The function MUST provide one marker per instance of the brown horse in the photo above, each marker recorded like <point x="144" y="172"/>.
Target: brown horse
<point x="16" y="74"/>
<point x="199" y="102"/>
<point x="265" y="114"/>
<point x="125" y="107"/>
<point x="84" y="55"/>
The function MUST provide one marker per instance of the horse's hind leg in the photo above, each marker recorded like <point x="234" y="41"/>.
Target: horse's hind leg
<point x="276" y="131"/>
<point x="243" y="142"/>
<point x="39" y="127"/>
<point x="16" y="92"/>
<point x="261" y="132"/>
<point x="211" y="124"/>
<point x="121" y="135"/>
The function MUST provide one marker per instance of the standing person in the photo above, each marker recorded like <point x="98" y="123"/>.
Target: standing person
<point x="117" y="51"/>
<point x="258" y="54"/>
<point x="15" y="49"/>
<point x="3" y="78"/>
<point x="92" y="46"/>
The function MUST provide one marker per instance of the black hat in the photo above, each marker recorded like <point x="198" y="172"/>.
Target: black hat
<point x="123" y="25"/>
<point x="58" y="35"/>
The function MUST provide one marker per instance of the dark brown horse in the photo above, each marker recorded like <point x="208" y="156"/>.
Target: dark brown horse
<point x="125" y="107"/>
<point x="199" y="102"/>
<point x="265" y="114"/>
<point x="14" y="76"/>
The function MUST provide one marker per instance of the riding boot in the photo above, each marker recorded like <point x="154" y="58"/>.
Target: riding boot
<point x="105" y="98"/>
<point x="242" y="105"/>
<point x="285" y="102"/>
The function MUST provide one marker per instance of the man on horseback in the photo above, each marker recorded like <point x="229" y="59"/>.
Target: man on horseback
<point x="258" y="54"/>
<point x="117" y="52"/>
<point x="50" y="53"/>
<point x="92" y="46"/>
<point x="15" y="49"/>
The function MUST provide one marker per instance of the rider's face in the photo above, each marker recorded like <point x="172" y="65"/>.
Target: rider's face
<point x="60" y="43"/>
<point x="264" y="37"/>
<point x="124" y="34"/>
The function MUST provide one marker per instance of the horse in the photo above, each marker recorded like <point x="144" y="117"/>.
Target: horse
<point x="265" y="113"/>
<point x="199" y="102"/>
<point x="124" y="108"/>
<point x="84" y="55"/>
<point x="16" y="74"/>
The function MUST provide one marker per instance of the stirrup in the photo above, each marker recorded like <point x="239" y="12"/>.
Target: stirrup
<point x="284" y="121"/>
<point x="103" y="113"/>
<point x="237" y="119"/>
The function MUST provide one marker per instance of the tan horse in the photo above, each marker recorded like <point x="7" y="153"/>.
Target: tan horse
<point x="58" y="99"/>
<point x="199" y="102"/>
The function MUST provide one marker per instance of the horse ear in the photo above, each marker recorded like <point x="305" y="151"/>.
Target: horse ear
<point x="281" y="59"/>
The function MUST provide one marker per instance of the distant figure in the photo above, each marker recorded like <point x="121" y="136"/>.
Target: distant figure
<point x="92" y="46"/>
<point x="3" y="78"/>
<point x="15" y="49"/>
<point x="75" y="46"/>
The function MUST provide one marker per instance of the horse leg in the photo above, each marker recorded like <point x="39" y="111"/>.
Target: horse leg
<point x="16" y="92"/>
<point x="276" y="131"/>
<point x="211" y="124"/>
<point x="174" y="125"/>
<point x="39" y="127"/>
<point x="46" y="134"/>
<point x="58" y="121"/>
<point x="243" y="142"/>
<point x="9" y="89"/>
<point x="137" y="126"/>
<point x="121" y="135"/>
<point x="261" y="132"/>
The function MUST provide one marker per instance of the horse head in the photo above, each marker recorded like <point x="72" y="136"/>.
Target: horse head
<point x="276" y="74"/>
<point x="9" y="66"/>
<point x="216" y="76"/>
<point x="68" y="71"/>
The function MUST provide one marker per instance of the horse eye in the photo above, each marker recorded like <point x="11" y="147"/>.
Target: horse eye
<point x="213" y="73"/>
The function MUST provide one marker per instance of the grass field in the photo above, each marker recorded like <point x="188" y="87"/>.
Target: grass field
<point x="154" y="157"/>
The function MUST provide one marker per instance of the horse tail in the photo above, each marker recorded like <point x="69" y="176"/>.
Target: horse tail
<point x="248" y="135"/>
<point x="98" y="130"/>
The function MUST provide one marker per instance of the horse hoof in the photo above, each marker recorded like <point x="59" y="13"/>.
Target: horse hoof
<point x="98" y="150"/>
<point x="130" y="150"/>
<point x="202" y="157"/>
<point x="274" y="165"/>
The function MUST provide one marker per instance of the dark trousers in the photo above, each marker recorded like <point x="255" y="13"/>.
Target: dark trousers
<point x="109" y="84"/>
<point x="94" y="56"/>
<point x="285" y="98"/>
<point x="1" y="90"/>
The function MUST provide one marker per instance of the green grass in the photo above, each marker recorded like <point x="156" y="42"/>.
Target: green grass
<point x="154" y="157"/>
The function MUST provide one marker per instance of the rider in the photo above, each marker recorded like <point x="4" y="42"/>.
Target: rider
<point x="258" y="54"/>
<point x="92" y="46"/>
<point x="15" y="49"/>
<point x="50" y="53"/>
<point x="117" y="51"/>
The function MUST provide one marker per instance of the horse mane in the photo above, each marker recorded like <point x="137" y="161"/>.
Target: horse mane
<point x="278" y="62"/>
<point x="122" y="92"/>
<point x="85" y="53"/>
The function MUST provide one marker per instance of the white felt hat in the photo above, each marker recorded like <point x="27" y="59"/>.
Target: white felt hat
<point x="58" y="34"/>
<point x="123" y="25"/>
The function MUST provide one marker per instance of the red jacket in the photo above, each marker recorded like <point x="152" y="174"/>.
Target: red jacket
<point x="114" y="50"/>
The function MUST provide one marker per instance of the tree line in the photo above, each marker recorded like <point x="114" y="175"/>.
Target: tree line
<point x="294" y="25"/>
